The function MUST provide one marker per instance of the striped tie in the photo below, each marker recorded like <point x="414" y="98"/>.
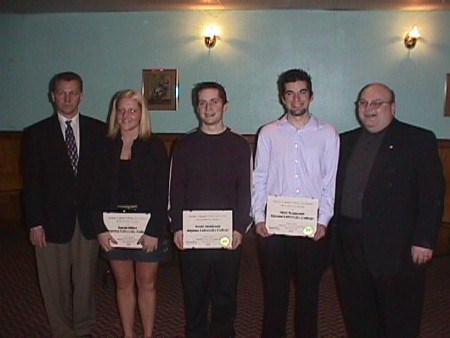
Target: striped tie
<point x="71" y="147"/>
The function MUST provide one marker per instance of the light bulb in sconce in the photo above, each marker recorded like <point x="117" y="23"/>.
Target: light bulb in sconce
<point x="412" y="36"/>
<point x="211" y="35"/>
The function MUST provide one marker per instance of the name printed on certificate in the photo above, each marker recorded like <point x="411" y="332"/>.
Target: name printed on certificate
<point x="126" y="228"/>
<point x="207" y="229"/>
<point x="292" y="216"/>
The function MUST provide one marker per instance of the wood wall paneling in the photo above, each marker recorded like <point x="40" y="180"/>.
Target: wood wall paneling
<point x="11" y="179"/>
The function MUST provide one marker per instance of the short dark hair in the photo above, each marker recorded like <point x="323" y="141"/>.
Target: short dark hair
<point x="208" y="85"/>
<point x="293" y="75"/>
<point x="65" y="76"/>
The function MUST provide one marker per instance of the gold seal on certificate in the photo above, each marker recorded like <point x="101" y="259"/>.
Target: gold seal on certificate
<point x="126" y="228"/>
<point x="225" y="241"/>
<point x="207" y="229"/>
<point x="292" y="216"/>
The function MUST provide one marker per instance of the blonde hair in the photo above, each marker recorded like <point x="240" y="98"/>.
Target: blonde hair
<point x="145" y="127"/>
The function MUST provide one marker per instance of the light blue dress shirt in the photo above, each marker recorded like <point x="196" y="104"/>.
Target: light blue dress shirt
<point x="296" y="163"/>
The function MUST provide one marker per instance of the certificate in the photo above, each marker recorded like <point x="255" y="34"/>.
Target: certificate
<point x="126" y="228"/>
<point x="292" y="216"/>
<point x="207" y="229"/>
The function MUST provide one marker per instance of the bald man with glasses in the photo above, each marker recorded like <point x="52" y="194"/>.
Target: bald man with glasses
<point x="389" y="204"/>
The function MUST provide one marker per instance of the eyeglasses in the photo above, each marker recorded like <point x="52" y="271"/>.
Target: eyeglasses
<point x="372" y="104"/>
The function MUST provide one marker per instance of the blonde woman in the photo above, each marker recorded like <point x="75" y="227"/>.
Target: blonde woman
<point x="132" y="175"/>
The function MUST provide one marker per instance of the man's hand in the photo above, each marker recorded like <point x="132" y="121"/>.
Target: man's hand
<point x="421" y="255"/>
<point x="262" y="230"/>
<point x="237" y="240"/>
<point x="178" y="239"/>
<point x="105" y="239"/>
<point x="37" y="237"/>
<point x="321" y="231"/>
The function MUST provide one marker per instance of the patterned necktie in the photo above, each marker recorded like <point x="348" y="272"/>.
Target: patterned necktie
<point x="71" y="147"/>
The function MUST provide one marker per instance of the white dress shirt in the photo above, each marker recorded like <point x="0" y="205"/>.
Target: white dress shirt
<point x="75" y="127"/>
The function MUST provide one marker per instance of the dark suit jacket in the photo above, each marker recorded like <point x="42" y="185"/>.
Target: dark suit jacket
<point x="403" y="200"/>
<point x="150" y="173"/>
<point x="53" y="197"/>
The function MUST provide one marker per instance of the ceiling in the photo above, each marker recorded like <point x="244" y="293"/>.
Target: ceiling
<point x="68" y="6"/>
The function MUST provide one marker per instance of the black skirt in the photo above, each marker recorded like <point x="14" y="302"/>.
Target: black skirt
<point x="161" y="254"/>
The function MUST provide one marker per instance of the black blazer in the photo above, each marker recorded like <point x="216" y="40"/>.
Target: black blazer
<point x="150" y="173"/>
<point x="53" y="197"/>
<point x="403" y="200"/>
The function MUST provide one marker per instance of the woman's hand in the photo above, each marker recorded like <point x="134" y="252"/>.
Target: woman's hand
<point x="105" y="239"/>
<point x="149" y="243"/>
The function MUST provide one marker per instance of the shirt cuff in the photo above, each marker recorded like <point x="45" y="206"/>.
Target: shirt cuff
<point x="259" y="217"/>
<point x="324" y="220"/>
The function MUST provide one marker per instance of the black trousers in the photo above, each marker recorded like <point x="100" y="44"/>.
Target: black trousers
<point x="210" y="277"/>
<point x="376" y="304"/>
<point x="284" y="257"/>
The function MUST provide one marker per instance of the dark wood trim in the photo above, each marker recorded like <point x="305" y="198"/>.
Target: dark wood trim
<point x="11" y="178"/>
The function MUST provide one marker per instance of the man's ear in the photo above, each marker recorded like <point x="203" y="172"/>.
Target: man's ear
<point x="393" y="108"/>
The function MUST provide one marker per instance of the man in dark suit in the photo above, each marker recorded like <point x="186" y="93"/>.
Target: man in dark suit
<point x="59" y="157"/>
<point x="389" y="203"/>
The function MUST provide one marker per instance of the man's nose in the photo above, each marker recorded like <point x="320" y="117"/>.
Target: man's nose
<point x="296" y="96"/>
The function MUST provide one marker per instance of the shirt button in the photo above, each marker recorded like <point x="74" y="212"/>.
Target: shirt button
<point x="296" y="145"/>
<point x="297" y="191"/>
<point x="296" y="161"/>
<point x="296" y="175"/>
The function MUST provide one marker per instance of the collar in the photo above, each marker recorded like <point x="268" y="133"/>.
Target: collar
<point x="313" y="123"/>
<point x="75" y="120"/>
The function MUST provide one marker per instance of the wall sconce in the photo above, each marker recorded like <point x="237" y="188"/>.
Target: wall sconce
<point x="411" y="37"/>
<point x="211" y="35"/>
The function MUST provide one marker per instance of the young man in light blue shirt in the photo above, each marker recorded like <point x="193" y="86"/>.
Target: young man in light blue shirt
<point x="296" y="156"/>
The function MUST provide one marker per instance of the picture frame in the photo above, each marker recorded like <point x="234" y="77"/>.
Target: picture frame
<point x="447" y="97"/>
<point x="160" y="88"/>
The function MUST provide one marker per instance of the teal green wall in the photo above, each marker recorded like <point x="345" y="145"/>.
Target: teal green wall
<point x="342" y="50"/>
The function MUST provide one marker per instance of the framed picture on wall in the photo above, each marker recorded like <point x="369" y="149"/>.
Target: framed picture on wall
<point x="447" y="97"/>
<point x="160" y="88"/>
